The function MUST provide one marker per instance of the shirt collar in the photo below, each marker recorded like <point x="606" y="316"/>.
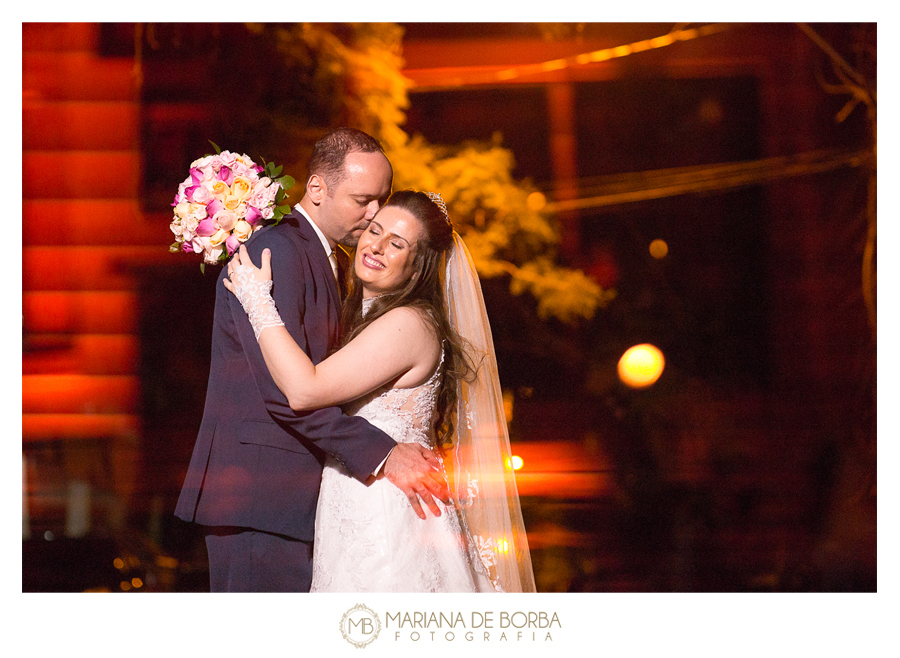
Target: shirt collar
<point x="325" y="245"/>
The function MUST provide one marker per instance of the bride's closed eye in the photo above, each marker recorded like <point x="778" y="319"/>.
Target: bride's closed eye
<point x="374" y="229"/>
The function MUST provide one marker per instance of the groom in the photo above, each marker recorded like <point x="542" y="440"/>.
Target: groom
<point x="253" y="480"/>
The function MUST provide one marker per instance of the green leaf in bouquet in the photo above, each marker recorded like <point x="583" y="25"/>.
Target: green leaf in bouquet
<point x="203" y="269"/>
<point x="287" y="182"/>
<point x="215" y="146"/>
<point x="277" y="171"/>
<point x="175" y="247"/>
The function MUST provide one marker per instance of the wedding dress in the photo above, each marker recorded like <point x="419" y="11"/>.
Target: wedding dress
<point x="368" y="539"/>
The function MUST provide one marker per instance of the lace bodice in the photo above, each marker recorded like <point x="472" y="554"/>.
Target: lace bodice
<point x="406" y="414"/>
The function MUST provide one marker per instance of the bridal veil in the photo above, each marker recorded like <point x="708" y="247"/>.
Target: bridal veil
<point x="480" y="470"/>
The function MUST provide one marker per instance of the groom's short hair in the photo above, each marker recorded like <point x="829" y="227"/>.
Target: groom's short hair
<point x="330" y="152"/>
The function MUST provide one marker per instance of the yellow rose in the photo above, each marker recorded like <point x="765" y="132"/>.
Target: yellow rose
<point x="242" y="230"/>
<point x="241" y="187"/>
<point x="218" y="238"/>
<point x="220" y="189"/>
<point x="232" y="202"/>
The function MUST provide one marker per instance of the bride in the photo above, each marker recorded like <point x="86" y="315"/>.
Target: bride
<point x="416" y="360"/>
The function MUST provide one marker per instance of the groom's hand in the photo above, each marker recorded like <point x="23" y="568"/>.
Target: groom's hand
<point x="418" y="474"/>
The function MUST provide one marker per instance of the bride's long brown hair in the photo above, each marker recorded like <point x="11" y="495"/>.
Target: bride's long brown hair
<point x="424" y="292"/>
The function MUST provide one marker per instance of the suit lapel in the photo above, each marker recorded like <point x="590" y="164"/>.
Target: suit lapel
<point x="319" y="258"/>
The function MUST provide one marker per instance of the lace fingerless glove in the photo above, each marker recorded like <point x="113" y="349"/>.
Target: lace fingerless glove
<point x="256" y="298"/>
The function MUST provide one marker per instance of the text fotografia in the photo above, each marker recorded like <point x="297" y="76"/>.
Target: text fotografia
<point x="477" y="626"/>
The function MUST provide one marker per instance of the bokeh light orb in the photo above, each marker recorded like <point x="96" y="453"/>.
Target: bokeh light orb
<point x="641" y="365"/>
<point x="536" y="201"/>
<point x="659" y="249"/>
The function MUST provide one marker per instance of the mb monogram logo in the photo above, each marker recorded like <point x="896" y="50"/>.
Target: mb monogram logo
<point x="360" y="626"/>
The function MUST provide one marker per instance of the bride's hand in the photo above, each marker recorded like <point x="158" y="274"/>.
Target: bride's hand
<point x="252" y="286"/>
<point x="241" y="267"/>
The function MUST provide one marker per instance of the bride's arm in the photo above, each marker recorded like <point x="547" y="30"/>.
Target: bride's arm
<point x="397" y="344"/>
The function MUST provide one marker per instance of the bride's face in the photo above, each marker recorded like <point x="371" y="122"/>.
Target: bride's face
<point x="386" y="251"/>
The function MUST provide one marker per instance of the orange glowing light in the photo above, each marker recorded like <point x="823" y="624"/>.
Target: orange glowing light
<point x="554" y="65"/>
<point x="659" y="249"/>
<point x="535" y="201"/>
<point x="502" y="546"/>
<point x="516" y="462"/>
<point x="137" y="582"/>
<point x="641" y="365"/>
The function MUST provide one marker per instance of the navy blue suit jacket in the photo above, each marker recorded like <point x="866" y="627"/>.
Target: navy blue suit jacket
<point x="257" y="463"/>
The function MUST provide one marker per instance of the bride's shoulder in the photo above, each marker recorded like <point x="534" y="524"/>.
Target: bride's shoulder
<point x="409" y="318"/>
<point x="408" y="325"/>
<point x="412" y="337"/>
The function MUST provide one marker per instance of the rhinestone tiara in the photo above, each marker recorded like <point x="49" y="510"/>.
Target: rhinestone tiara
<point x="436" y="198"/>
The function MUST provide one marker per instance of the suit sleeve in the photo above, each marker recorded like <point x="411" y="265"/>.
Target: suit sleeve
<point x="353" y="441"/>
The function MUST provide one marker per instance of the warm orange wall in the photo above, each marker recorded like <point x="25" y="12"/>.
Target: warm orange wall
<point x="83" y="236"/>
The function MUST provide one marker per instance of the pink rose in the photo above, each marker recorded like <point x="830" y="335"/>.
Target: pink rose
<point x="261" y="183"/>
<point x="263" y="196"/>
<point x="227" y="158"/>
<point x="202" y="162"/>
<point x="225" y="219"/>
<point x="202" y="194"/>
<point x="253" y="215"/>
<point x="206" y="227"/>
<point x="232" y="244"/>
<point x="226" y="175"/>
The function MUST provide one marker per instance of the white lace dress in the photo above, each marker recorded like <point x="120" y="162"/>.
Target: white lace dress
<point x="368" y="539"/>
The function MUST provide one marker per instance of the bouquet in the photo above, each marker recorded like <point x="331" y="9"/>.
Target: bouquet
<point x="223" y="201"/>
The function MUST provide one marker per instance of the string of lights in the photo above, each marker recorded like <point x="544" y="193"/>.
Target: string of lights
<point x="640" y="186"/>
<point x="675" y="36"/>
<point x="484" y="75"/>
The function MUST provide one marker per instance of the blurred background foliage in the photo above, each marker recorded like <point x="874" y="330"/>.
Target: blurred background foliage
<point x="319" y="76"/>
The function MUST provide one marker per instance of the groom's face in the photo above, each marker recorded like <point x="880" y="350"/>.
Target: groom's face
<point x="351" y="204"/>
